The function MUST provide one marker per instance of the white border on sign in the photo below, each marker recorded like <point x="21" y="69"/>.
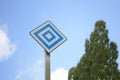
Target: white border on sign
<point x="40" y="27"/>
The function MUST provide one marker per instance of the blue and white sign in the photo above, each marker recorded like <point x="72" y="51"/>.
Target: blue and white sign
<point x="48" y="36"/>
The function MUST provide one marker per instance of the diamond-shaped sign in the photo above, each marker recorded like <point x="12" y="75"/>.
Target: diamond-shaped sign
<point x="48" y="36"/>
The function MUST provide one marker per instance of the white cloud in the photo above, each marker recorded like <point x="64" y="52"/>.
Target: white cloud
<point x="33" y="72"/>
<point x="36" y="72"/>
<point x="6" y="47"/>
<point x="59" y="74"/>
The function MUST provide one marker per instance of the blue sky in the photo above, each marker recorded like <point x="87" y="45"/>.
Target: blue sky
<point x="23" y="57"/>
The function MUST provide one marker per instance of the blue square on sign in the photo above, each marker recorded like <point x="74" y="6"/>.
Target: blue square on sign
<point x="48" y="36"/>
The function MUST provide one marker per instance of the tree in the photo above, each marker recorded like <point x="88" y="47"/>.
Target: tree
<point x="99" y="60"/>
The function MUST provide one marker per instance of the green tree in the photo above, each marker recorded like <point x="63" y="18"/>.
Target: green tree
<point x="99" y="60"/>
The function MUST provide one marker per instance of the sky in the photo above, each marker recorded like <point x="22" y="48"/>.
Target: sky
<point x="22" y="58"/>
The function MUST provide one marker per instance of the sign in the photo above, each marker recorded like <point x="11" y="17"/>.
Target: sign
<point x="48" y="36"/>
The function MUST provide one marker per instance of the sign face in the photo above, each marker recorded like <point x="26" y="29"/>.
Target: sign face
<point x="48" y="36"/>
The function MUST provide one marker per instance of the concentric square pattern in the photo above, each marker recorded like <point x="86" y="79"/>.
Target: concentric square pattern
<point x="48" y="36"/>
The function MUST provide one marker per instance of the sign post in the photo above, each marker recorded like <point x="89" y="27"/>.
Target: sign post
<point x="47" y="65"/>
<point x="49" y="37"/>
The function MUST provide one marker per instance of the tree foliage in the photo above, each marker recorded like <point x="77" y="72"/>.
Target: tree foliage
<point x="99" y="60"/>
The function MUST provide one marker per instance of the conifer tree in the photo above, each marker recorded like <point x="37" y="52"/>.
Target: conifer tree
<point x="99" y="60"/>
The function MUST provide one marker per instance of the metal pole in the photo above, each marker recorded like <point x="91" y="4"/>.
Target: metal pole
<point x="47" y="65"/>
